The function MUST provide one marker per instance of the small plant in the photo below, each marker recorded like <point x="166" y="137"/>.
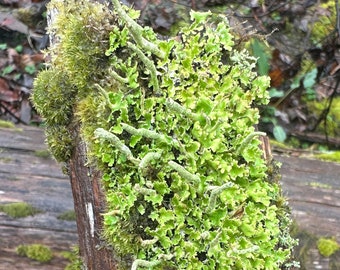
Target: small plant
<point x="19" y="209"/>
<point x="35" y="252"/>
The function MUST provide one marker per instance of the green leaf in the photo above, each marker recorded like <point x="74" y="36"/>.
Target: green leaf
<point x="274" y="93"/>
<point x="310" y="78"/>
<point x="7" y="70"/>
<point x="141" y="209"/>
<point x="3" y="46"/>
<point x="279" y="133"/>
<point x="30" y="69"/>
<point x="263" y="58"/>
<point x="19" y="48"/>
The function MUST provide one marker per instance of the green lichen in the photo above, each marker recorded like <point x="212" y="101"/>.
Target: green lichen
<point x="37" y="252"/>
<point x="19" y="209"/>
<point x="327" y="247"/>
<point x="170" y="123"/>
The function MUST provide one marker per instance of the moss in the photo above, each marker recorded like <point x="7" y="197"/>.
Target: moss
<point x="327" y="247"/>
<point x="325" y="24"/>
<point x="37" y="252"/>
<point x="19" y="209"/>
<point x="6" y="124"/>
<point x="68" y="215"/>
<point x="74" y="258"/>
<point x="320" y="185"/>
<point x="42" y="153"/>
<point x="330" y="156"/>
<point x="331" y="124"/>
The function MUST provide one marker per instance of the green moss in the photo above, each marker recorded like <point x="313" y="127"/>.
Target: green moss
<point x="19" y="209"/>
<point x="324" y="25"/>
<point x="327" y="247"/>
<point x="330" y="156"/>
<point x="35" y="252"/>
<point x="331" y="124"/>
<point x="68" y="215"/>
<point x="6" y="124"/>
<point x="42" y="153"/>
<point x="74" y="258"/>
<point x="320" y="185"/>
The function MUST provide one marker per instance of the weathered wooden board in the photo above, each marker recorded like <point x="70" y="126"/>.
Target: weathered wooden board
<point x="25" y="177"/>
<point x="312" y="188"/>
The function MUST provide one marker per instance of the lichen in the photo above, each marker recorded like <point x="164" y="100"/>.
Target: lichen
<point x="37" y="252"/>
<point x="170" y="123"/>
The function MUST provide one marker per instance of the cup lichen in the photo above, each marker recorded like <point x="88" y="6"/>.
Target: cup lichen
<point x="170" y="123"/>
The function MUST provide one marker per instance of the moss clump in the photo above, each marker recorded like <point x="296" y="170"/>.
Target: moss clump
<point x="6" y="124"/>
<point x="35" y="252"/>
<point x="331" y="123"/>
<point x="331" y="156"/>
<point x="68" y="215"/>
<point x="74" y="258"/>
<point x="327" y="247"/>
<point x="42" y="153"/>
<point x="19" y="209"/>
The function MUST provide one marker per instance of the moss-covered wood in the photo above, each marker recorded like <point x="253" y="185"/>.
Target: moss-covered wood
<point x="166" y="127"/>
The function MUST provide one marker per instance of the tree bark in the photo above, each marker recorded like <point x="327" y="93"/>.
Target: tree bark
<point x="89" y="204"/>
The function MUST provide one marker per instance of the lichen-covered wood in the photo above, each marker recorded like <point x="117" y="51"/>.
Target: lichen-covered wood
<point x="166" y="127"/>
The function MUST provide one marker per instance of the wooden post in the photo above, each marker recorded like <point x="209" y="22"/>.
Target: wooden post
<point x="89" y="204"/>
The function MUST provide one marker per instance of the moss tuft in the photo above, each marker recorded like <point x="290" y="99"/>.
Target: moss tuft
<point x="331" y="156"/>
<point x="35" y="252"/>
<point x="327" y="247"/>
<point x="18" y="210"/>
<point x="68" y="215"/>
<point x="6" y="124"/>
<point x="42" y="153"/>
